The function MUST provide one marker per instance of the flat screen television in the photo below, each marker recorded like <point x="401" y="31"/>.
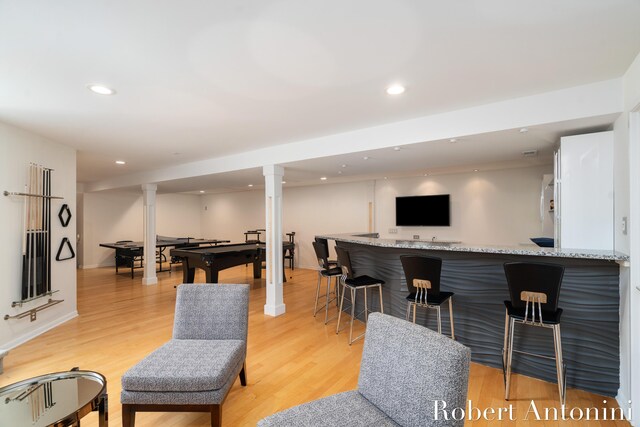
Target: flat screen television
<point x="423" y="211"/>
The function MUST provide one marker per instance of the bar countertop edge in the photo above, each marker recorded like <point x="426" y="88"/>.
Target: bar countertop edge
<point x="372" y="239"/>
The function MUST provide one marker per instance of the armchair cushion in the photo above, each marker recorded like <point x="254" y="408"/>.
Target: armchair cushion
<point x="406" y="367"/>
<point x="186" y="365"/>
<point x="211" y="312"/>
<point x="348" y="409"/>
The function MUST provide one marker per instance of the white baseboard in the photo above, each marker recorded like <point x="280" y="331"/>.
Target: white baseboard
<point x="40" y="330"/>
<point x="89" y="266"/>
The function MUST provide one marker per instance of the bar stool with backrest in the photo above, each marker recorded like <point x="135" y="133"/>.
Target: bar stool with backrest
<point x="329" y="272"/>
<point x="534" y="289"/>
<point x="349" y="280"/>
<point x="325" y="246"/>
<point x="290" y="252"/>
<point x="423" y="279"/>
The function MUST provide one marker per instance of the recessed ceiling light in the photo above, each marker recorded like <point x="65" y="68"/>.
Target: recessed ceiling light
<point x="426" y="174"/>
<point x="396" y="148"/>
<point x="386" y="177"/>
<point x="250" y="185"/>
<point x="323" y="178"/>
<point x="201" y="191"/>
<point x="101" y="90"/>
<point x="344" y="166"/>
<point x="453" y="140"/>
<point x="120" y="162"/>
<point x="339" y="172"/>
<point x="524" y="130"/>
<point x="475" y="170"/>
<point x="284" y="182"/>
<point x="395" y="89"/>
<point x="365" y="158"/>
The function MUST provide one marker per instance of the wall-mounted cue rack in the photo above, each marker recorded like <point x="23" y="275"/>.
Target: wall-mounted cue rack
<point x="36" y="243"/>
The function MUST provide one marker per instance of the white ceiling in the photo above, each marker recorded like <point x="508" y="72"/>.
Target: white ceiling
<point x="209" y="78"/>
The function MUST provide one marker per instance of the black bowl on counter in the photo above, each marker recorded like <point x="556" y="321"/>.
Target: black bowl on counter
<point x="543" y="242"/>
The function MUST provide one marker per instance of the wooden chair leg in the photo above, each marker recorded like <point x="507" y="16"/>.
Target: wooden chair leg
<point x="216" y="416"/>
<point x="128" y="415"/>
<point x="243" y="374"/>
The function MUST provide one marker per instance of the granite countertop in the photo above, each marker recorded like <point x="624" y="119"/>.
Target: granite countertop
<point x="370" y="239"/>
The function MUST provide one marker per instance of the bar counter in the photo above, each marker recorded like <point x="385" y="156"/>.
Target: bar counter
<point x="589" y="297"/>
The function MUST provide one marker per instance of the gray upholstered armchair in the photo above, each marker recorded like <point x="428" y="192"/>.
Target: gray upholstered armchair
<point x="406" y="371"/>
<point x="194" y="371"/>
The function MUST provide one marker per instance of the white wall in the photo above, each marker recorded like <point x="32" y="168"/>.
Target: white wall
<point x="488" y="208"/>
<point x="227" y="216"/>
<point x="18" y="149"/>
<point x="328" y="208"/>
<point x="113" y="216"/>
<point x="178" y="215"/>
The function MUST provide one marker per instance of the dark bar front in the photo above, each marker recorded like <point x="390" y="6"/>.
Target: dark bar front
<point x="589" y="297"/>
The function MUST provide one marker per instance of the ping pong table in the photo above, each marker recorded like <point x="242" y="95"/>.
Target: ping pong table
<point x="129" y="252"/>
<point x="216" y="258"/>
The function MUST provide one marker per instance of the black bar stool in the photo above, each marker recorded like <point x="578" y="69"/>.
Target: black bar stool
<point x="353" y="282"/>
<point x="325" y="271"/>
<point x="423" y="280"/>
<point x="325" y="246"/>
<point x="290" y="252"/>
<point x="534" y="289"/>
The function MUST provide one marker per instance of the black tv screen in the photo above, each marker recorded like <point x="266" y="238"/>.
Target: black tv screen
<point x="423" y="211"/>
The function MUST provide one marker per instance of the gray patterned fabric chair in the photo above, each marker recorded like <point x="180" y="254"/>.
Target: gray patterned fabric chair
<point x="406" y="370"/>
<point x="194" y="371"/>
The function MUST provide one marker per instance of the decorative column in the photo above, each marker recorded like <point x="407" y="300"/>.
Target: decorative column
<point x="273" y="210"/>
<point x="149" y="226"/>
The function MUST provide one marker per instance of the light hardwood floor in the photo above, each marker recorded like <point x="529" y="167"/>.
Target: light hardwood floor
<point x="291" y="359"/>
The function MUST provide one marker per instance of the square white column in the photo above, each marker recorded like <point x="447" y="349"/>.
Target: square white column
<point x="149" y="225"/>
<point x="273" y="210"/>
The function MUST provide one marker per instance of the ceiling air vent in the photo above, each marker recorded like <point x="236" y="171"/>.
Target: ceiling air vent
<point x="530" y="153"/>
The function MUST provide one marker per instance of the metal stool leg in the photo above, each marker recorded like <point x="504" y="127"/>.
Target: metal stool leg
<point x="512" y="325"/>
<point x="557" y="340"/>
<point x="315" y="307"/>
<point x="381" y="305"/>
<point x="414" y="312"/>
<point x="453" y="335"/>
<point x="326" y="305"/>
<point x="439" y="320"/>
<point x="340" y="310"/>
<point x="408" y="310"/>
<point x="366" y="306"/>
<point x="353" y="313"/>
<point x="505" y="346"/>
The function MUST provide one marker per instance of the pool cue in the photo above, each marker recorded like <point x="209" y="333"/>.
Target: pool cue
<point x="25" y="245"/>
<point x="32" y="237"/>
<point x="34" y="233"/>
<point x="27" y="291"/>
<point x="41" y="236"/>
<point x="38" y="283"/>
<point x="47" y="286"/>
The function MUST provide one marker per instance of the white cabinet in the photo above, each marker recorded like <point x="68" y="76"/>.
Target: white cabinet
<point x="584" y="192"/>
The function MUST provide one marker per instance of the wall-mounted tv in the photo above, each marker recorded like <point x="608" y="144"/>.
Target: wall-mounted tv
<point x="423" y="211"/>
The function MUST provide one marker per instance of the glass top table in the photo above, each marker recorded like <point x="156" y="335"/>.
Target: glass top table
<point x="58" y="400"/>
